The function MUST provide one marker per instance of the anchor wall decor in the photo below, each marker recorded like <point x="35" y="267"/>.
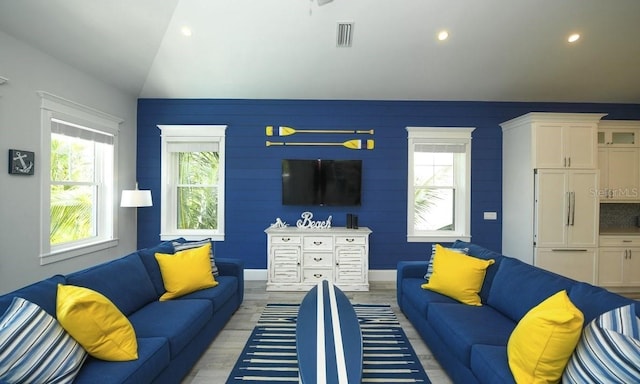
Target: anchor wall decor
<point x="21" y="162"/>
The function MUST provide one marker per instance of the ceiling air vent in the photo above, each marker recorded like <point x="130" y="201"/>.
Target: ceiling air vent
<point x="345" y="34"/>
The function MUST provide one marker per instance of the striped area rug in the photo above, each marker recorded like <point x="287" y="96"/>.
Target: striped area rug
<point x="270" y="353"/>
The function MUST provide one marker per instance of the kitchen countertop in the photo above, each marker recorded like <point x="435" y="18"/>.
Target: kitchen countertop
<point x="620" y="231"/>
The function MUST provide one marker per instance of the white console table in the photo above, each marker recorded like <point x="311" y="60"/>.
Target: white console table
<point x="299" y="258"/>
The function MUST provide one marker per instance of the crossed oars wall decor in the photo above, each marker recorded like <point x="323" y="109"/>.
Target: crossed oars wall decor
<point x="288" y="131"/>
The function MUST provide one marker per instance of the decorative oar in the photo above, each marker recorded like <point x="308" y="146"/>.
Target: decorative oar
<point x="351" y="144"/>
<point x="288" y="131"/>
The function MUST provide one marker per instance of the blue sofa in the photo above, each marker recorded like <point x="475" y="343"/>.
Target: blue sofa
<point x="470" y="342"/>
<point x="171" y="335"/>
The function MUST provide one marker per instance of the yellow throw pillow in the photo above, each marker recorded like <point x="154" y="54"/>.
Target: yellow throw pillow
<point x="185" y="271"/>
<point x="96" y="323"/>
<point x="540" y="346"/>
<point x="457" y="276"/>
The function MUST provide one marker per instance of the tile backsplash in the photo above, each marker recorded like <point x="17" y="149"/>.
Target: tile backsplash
<point x="623" y="215"/>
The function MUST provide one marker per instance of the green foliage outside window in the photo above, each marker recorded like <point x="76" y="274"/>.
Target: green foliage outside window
<point x="197" y="190"/>
<point x="72" y="189"/>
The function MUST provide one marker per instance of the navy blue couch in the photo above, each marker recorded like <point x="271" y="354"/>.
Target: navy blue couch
<point x="470" y="342"/>
<point x="171" y="335"/>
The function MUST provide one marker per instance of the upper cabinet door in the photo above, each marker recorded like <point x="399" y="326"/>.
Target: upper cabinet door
<point x="566" y="145"/>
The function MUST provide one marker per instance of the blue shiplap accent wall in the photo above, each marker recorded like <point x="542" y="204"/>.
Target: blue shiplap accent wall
<point x="253" y="196"/>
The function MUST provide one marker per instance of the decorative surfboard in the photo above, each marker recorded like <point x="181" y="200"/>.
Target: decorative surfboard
<point x="328" y="338"/>
<point x="288" y="131"/>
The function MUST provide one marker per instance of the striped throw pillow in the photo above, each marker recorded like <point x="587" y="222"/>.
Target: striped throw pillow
<point x="427" y="276"/>
<point x="34" y="348"/>
<point x="179" y="246"/>
<point x="608" y="351"/>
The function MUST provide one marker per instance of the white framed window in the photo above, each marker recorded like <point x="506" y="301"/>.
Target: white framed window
<point x="192" y="177"/>
<point x="439" y="184"/>
<point x="79" y="147"/>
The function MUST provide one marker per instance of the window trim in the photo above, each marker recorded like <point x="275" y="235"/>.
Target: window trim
<point x="457" y="135"/>
<point x="52" y="106"/>
<point x="168" y="217"/>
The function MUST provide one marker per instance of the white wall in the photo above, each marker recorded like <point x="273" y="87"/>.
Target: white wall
<point x="30" y="70"/>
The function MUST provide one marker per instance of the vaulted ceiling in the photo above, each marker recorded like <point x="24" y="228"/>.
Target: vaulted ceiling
<point x="286" y="49"/>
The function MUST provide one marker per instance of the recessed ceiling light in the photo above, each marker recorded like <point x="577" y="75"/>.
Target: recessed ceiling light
<point x="186" y="31"/>
<point x="573" y="38"/>
<point x="443" y="35"/>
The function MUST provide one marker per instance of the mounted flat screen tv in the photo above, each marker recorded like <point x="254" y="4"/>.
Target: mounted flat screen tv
<point x="321" y="182"/>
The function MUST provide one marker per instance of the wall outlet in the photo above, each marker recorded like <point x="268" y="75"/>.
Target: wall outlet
<point x="491" y="215"/>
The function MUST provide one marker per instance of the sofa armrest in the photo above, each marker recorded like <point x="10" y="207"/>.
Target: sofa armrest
<point x="232" y="267"/>
<point x="415" y="269"/>
<point x="408" y="269"/>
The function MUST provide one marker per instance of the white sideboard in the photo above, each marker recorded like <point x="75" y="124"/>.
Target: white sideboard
<point x="299" y="258"/>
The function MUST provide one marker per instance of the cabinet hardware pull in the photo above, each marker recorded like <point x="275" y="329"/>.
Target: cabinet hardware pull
<point x="568" y="250"/>
<point x="317" y="258"/>
<point x="569" y="162"/>
<point x="351" y="240"/>
<point x="627" y="241"/>
<point x="317" y="275"/>
<point x="317" y="242"/>
<point x="285" y="239"/>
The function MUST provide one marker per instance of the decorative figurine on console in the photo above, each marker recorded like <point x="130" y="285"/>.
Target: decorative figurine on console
<point x="279" y="224"/>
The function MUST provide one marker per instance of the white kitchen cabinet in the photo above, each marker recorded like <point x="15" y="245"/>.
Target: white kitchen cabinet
<point x="619" y="160"/>
<point x="565" y="144"/>
<point x="565" y="207"/>
<point x="578" y="264"/>
<point x="299" y="258"/>
<point x="550" y="207"/>
<point x="619" y="261"/>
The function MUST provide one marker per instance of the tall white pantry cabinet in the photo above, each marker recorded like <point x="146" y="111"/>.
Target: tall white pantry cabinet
<point x="550" y="206"/>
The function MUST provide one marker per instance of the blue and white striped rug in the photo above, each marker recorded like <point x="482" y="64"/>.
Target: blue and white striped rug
<point x="270" y="353"/>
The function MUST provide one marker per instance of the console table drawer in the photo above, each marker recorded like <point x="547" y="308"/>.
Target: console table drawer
<point x="312" y="259"/>
<point x="316" y="275"/>
<point x="284" y="239"/>
<point x="318" y="243"/>
<point x="351" y="240"/>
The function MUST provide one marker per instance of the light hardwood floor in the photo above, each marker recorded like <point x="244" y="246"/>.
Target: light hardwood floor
<point x="218" y="361"/>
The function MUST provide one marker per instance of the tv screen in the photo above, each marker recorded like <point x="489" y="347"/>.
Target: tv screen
<point x="321" y="182"/>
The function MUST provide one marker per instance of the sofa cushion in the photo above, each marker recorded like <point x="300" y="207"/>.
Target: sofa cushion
<point x="427" y="275"/>
<point x="96" y="323"/>
<point x="457" y="275"/>
<point x="124" y="281"/>
<point x="219" y="295"/>
<point x="542" y="342"/>
<point x="42" y="293"/>
<point x="185" y="271"/>
<point x="609" y="350"/>
<point x="34" y="348"/>
<point x="421" y="298"/>
<point x="462" y="326"/>
<point x="181" y="245"/>
<point x="486" y="254"/>
<point x="594" y="301"/>
<point x="148" y="257"/>
<point x="489" y="364"/>
<point x="177" y="320"/>
<point x="517" y="287"/>
<point x="153" y="358"/>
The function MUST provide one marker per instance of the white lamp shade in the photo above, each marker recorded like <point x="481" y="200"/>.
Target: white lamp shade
<point x="136" y="198"/>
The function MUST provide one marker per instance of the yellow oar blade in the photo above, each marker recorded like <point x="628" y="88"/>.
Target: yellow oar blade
<point x="269" y="130"/>
<point x="285" y="131"/>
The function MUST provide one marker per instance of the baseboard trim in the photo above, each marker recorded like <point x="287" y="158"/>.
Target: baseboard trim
<point x="374" y="274"/>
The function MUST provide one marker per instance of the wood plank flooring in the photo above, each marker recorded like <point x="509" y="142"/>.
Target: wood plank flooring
<point x="218" y="361"/>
